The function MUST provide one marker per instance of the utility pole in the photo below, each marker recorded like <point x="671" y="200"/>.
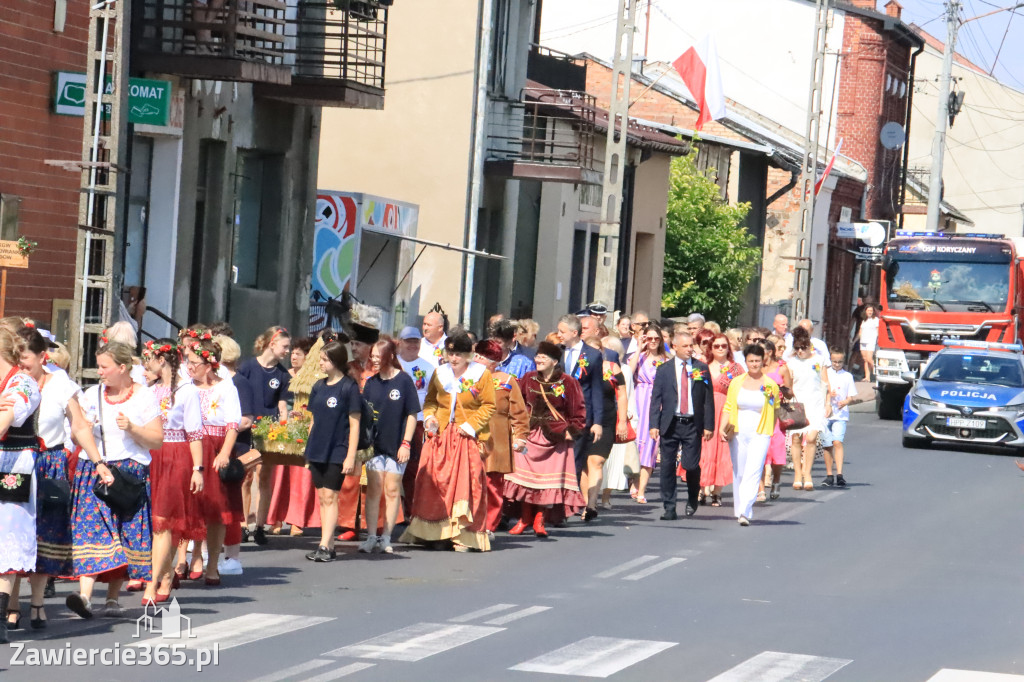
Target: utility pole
<point x="942" y="115"/>
<point x="802" y="262"/>
<point x="615" y="153"/>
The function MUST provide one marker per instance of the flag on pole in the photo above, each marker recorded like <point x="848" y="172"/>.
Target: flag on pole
<point x="702" y="75"/>
<point x="828" y="168"/>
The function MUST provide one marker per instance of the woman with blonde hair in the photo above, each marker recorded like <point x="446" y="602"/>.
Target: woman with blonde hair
<point x="644" y="364"/>
<point x="267" y="381"/>
<point x="124" y="333"/>
<point x="230" y="352"/>
<point x="19" y="449"/>
<point x="109" y="546"/>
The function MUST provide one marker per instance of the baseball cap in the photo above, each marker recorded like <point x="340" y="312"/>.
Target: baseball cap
<point x="410" y="333"/>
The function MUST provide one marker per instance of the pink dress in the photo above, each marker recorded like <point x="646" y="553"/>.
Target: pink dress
<point x="646" y="368"/>
<point x="777" y="445"/>
<point x="715" y="460"/>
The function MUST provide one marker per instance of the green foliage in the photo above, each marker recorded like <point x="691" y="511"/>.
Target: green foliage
<point x="709" y="259"/>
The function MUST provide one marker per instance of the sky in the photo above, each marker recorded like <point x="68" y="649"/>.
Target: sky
<point x="978" y="40"/>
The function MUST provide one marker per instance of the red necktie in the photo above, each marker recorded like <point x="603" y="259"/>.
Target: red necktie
<point x="684" y="404"/>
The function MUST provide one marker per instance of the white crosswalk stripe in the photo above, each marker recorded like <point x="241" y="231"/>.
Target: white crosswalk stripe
<point x="516" y="615"/>
<point x="237" y="631"/>
<point x="416" y="642"/>
<point x="473" y="615"/>
<point x="594" y="657"/>
<point x="629" y="565"/>
<point x="651" y="570"/>
<point x="295" y="670"/>
<point x="950" y="675"/>
<point x="774" y="666"/>
<point x="344" y="671"/>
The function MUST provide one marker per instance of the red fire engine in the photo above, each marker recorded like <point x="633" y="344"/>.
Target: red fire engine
<point x="937" y="287"/>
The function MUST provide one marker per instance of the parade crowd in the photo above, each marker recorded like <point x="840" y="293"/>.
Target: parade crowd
<point x="149" y="478"/>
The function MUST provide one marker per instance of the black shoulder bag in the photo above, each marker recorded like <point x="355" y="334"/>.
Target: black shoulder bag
<point x="125" y="495"/>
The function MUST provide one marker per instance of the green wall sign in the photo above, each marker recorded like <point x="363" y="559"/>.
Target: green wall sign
<point x="149" y="101"/>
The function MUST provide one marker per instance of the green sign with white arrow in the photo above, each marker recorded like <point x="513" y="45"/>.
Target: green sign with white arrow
<point x="149" y="101"/>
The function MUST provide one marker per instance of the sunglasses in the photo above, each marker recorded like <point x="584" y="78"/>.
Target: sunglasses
<point x="654" y="338"/>
<point x="720" y="345"/>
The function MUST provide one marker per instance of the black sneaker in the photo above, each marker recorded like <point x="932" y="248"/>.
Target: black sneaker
<point x="322" y="555"/>
<point x="259" y="536"/>
<point x="840" y="481"/>
<point x="51" y="588"/>
<point x="828" y="482"/>
<point x="246" y="535"/>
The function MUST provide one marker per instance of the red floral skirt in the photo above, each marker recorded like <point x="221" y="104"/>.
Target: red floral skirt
<point x="450" y="502"/>
<point x="545" y="475"/>
<point x="173" y="506"/>
<point x="222" y="502"/>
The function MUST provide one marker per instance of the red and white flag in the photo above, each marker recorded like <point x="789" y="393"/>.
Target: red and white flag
<point x="828" y="168"/>
<point x="702" y="75"/>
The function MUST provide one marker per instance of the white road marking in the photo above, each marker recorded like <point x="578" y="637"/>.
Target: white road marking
<point x="773" y="666"/>
<point x="416" y="642"/>
<point x="651" y="570"/>
<point x="949" y="675"/>
<point x="622" y="568"/>
<point x="295" y="670"/>
<point x="340" y="672"/>
<point x="594" y="657"/>
<point x="516" y="615"/>
<point x="233" y="632"/>
<point x="472" y="615"/>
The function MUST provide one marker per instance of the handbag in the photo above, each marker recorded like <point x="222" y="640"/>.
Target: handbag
<point x="631" y="460"/>
<point x="792" y="416"/>
<point x="233" y="472"/>
<point x="54" y="494"/>
<point x="251" y="459"/>
<point x="126" y="493"/>
<point x="630" y="431"/>
<point x="15" y="487"/>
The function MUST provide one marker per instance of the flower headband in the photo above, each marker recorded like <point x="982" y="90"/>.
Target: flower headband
<point x="152" y="350"/>
<point x="199" y="334"/>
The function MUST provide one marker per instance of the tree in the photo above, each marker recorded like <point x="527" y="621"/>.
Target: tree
<point x="709" y="259"/>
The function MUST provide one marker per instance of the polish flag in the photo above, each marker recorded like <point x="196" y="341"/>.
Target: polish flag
<point x="828" y="168"/>
<point x="702" y="75"/>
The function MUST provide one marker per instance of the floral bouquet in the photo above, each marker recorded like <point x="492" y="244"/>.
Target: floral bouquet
<point x="282" y="437"/>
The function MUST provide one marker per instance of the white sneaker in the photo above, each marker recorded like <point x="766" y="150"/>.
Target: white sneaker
<point x="490" y="535"/>
<point x="384" y="545"/>
<point x="368" y="545"/>
<point x="229" y="566"/>
<point x="744" y="521"/>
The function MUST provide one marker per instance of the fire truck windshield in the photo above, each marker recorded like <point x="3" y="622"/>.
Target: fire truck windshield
<point x="947" y="285"/>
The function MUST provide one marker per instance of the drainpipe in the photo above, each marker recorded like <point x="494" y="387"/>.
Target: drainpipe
<point x="794" y="178"/>
<point x="906" y="143"/>
<point x="474" y="191"/>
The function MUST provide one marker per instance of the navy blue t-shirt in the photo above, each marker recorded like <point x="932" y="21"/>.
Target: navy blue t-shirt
<point x="331" y="406"/>
<point x="245" y="402"/>
<point x="393" y="400"/>
<point x="267" y="386"/>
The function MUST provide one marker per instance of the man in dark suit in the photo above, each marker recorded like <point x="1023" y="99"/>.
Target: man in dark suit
<point x="682" y="406"/>
<point x="584" y="364"/>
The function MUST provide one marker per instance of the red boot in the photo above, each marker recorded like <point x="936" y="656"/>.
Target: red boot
<point x="527" y="511"/>
<point x="538" y="525"/>
<point x="518" y="528"/>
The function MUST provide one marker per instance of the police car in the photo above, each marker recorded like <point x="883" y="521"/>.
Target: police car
<point x="969" y="392"/>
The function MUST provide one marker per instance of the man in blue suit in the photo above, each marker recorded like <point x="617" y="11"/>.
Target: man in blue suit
<point x="682" y="406"/>
<point x="584" y="364"/>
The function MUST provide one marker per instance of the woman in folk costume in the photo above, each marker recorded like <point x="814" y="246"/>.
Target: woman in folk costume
<point x="545" y="474"/>
<point x="509" y="427"/>
<point x="451" y="498"/>
<point x="19" y="448"/>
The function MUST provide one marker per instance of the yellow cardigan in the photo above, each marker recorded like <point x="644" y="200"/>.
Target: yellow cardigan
<point x="766" y="426"/>
<point x="474" y="409"/>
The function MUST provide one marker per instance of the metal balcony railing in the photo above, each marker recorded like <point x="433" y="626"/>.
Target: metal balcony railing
<point x="336" y="52"/>
<point x="241" y="40"/>
<point x="547" y="127"/>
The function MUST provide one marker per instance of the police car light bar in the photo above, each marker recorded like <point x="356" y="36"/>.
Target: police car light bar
<point x="983" y="345"/>
<point x="946" y="235"/>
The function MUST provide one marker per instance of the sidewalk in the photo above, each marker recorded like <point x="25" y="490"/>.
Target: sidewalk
<point x="865" y="398"/>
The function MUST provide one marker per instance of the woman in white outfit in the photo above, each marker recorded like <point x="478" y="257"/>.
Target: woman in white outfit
<point x="615" y="477"/>
<point x="748" y="421"/>
<point x="810" y="387"/>
<point x="869" y="340"/>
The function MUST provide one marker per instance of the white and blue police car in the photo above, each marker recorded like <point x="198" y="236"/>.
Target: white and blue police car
<point x="969" y="392"/>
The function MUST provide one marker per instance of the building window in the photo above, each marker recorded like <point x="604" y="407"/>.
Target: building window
<point x="9" y="207"/>
<point x="258" y="217"/>
<point x="499" y="48"/>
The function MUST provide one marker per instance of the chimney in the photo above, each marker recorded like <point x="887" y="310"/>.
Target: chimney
<point x="894" y="9"/>
<point x="866" y="4"/>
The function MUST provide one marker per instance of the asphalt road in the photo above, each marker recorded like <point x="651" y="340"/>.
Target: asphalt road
<point x="914" y="569"/>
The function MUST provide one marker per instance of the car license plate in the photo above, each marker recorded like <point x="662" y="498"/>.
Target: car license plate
<point x="962" y="423"/>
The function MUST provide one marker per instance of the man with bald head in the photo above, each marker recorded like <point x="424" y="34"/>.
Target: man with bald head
<point x="432" y="346"/>
<point x="781" y="326"/>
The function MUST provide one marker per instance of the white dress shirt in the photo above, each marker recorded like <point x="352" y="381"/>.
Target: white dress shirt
<point x="571" y="357"/>
<point x="681" y="367"/>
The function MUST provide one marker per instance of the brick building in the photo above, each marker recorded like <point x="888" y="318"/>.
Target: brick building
<point x="38" y="201"/>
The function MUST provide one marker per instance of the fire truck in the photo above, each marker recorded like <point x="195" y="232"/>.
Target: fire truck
<point x="938" y="287"/>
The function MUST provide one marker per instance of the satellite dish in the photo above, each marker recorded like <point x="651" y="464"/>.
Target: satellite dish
<point x="892" y="136"/>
